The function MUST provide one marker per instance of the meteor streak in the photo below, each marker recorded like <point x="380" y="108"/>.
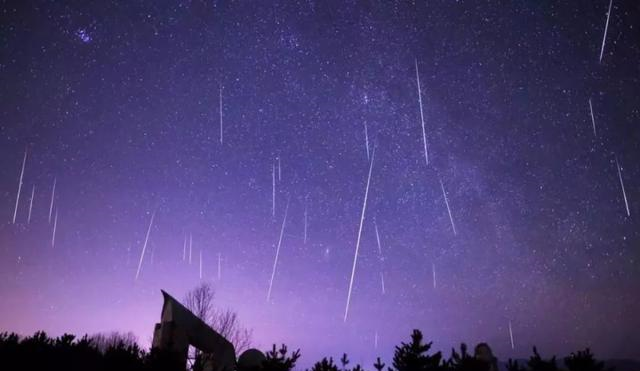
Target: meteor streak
<point x="624" y="194"/>
<point x="220" y="109"/>
<point x="446" y="201"/>
<point x="184" y="248"/>
<point x="380" y="256"/>
<point x="593" y="120"/>
<point x="366" y="138"/>
<point x="424" y="134"/>
<point x="53" y="195"/>
<point x="275" y="261"/>
<point x="144" y="246"/>
<point x="355" y="256"/>
<point x="55" y="227"/>
<point x="279" y="170"/>
<point x="24" y="162"/>
<point x="433" y="271"/>
<point x="33" y="191"/>
<point x="378" y="239"/>
<point x="306" y="221"/>
<point x="511" y="335"/>
<point x="606" y="28"/>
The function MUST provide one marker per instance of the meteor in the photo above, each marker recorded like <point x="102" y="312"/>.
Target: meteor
<point x="144" y="246"/>
<point x="606" y="28"/>
<point x="55" y="227"/>
<point x="355" y="256"/>
<point x="279" y="170"/>
<point x="366" y="139"/>
<point x="624" y="194"/>
<point x="424" y="134"/>
<point x="433" y="271"/>
<point x="275" y="261"/>
<point x="184" y="248"/>
<point x="306" y="222"/>
<point x="24" y="162"/>
<point x="511" y="335"/>
<point x="593" y="120"/>
<point x="33" y="191"/>
<point x="220" y="109"/>
<point x="380" y="256"/>
<point x="53" y="195"/>
<point x="446" y="201"/>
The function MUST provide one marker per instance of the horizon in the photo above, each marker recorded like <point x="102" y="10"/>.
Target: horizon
<point x="344" y="169"/>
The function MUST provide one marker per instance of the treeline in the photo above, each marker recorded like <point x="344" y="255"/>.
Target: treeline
<point x="68" y="353"/>
<point x="122" y="353"/>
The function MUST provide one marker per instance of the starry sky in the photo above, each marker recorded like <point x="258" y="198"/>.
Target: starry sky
<point x="520" y="213"/>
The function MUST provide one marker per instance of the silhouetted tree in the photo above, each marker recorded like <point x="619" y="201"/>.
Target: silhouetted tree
<point x="536" y="363"/>
<point x="121" y="352"/>
<point x="379" y="366"/>
<point x="163" y="360"/>
<point x="40" y="352"/>
<point x="584" y="361"/>
<point x="344" y="361"/>
<point x="200" y="301"/>
<point x="102" y="341"/>
<point x="325" y="365"/>
<point x="9" y="344"/>
<point x="413" y="356"/>
<point x="227" y="324"/>
<point x="463" y="361"/>
<point x="514" y="366"/>
<point x="278" y="360"/>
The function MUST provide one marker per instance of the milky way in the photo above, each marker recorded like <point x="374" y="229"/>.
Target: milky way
<point x="146" y="122"/>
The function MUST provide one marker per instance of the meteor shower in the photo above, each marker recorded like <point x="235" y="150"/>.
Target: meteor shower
<point x="311" y="185"/>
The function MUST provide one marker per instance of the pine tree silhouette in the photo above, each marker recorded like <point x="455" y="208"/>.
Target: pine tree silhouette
<point x="584" y="361"/>
<point x="413" y="356"/>
<point x="325" y="365"/>
<point x="277" y="360"/>
<point x="536" y="363"/>
<point x="379" y="366"/>
<point x="344" y="360"/>
<point x="41" y="352"/>
<point x="464" y="362"/>
<point x="514" y="366"/>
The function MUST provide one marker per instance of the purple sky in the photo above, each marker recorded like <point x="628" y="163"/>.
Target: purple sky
<point x="119" y="103"/>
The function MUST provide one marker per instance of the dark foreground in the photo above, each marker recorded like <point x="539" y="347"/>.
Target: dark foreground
<point x="40" y="352"/>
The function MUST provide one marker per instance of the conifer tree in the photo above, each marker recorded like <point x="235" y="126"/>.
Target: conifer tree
<point x="583" y="360"/>
<point x="536" y="363"/>
<point x="325" y="365"/>
<point x="514" y="366"/>
<point x="463" y="361"/>
<point x="278" y="360"/>
<point x="413" y="356"/>
<point x="344" y="361"/>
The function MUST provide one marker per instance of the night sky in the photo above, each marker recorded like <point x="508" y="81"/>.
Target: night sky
<point x="120" y="104"/>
